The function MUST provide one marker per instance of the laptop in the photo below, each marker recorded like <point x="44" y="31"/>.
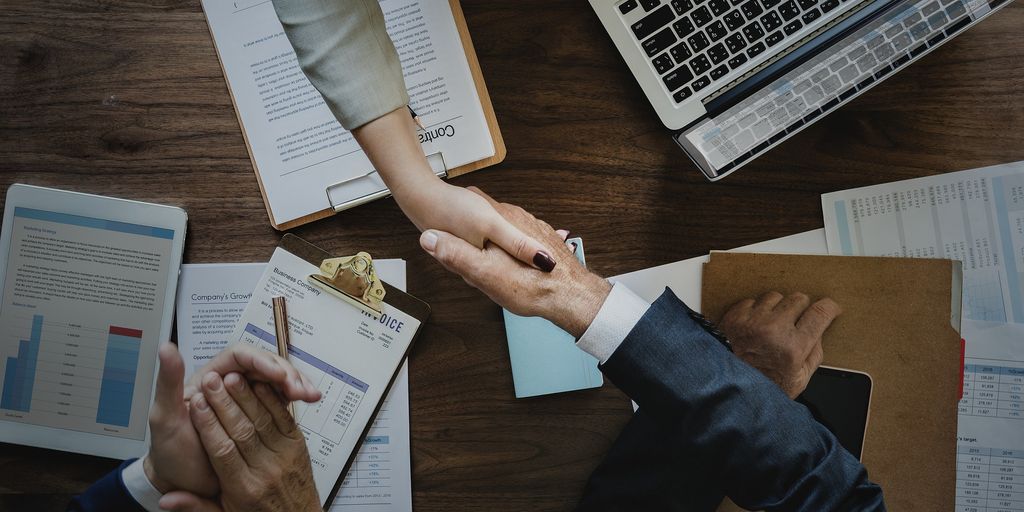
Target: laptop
<point x="734" y="78"/>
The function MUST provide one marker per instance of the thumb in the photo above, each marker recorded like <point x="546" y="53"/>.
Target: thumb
<point x="184" y="501"/>
<point x="521" y="246"/>
<point x="170" y="385"/>
<point x="454" y="253"/>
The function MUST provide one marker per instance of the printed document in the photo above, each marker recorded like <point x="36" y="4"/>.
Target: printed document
<point x="296" y="144"/>
<point x="974" y="216"/>
<point x="977" y="217"/>
<point x="211" y="299"/>
<point x="82" y="308"/>
<point x="208" y="311"/>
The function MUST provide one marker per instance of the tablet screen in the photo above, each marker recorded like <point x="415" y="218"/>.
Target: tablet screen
<point x="83" y="300"/>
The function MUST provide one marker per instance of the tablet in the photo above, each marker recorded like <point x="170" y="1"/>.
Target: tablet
<point x="88" y="287"/>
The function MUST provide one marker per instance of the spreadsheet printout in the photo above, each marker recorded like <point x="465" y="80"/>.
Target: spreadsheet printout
<point x="380" y="479"/>
<point x="975" y="216"/>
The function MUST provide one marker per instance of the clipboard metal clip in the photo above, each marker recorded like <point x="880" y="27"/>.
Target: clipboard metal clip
<point x="437" y="166"/>
<point x="352" y="279"/>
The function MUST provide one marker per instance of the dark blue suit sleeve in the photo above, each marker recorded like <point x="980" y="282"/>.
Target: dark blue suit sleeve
<point x="731" y="423"/>
<point x="108" y="493"/>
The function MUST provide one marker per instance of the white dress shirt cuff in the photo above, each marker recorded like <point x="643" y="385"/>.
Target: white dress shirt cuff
<point x="141" y="489"/>
<point x="621" y="311"/>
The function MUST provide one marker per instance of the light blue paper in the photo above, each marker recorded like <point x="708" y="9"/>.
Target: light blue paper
<point x="544" y="358"/>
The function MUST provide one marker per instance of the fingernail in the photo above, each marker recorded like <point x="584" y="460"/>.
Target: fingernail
<point x="428" y="240"/>
<point x="213" y="382"/>
<point x="201" y="403"/>
<point x="543" y="261"/>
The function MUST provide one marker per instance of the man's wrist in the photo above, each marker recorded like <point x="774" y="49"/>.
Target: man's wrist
<point x="147" y="468"/>
<point x="577" y="307"/>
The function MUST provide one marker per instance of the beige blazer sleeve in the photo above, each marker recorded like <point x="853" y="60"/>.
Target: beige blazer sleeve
<point x="343" y="48"/>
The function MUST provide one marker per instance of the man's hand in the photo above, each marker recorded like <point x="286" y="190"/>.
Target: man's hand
<point x="255" y="448"/>
<point x="780" y="336"/>
<point x="570" y="296"/>
<point x="176" y="459"/>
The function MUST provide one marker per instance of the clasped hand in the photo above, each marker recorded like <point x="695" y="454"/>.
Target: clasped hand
<point x="229" y="443"/>
<point x="778" y="335"/>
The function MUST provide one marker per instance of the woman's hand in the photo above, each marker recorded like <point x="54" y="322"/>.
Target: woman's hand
<point x="465" y="213"/>
<point x="391" y="144"/>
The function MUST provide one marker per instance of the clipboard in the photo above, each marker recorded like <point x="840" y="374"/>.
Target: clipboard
<point x="439" y="167"/>
<point x="393" y="297"/>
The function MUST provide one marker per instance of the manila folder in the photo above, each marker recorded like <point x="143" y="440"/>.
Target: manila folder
<point x="899" y="324"/>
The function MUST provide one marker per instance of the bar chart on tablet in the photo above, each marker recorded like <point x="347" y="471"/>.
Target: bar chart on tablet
<point x="82" y="375"/>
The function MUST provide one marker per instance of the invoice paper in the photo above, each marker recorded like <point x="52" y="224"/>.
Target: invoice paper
<point x="977" y="217"/>
<point x="380" y="477"/>
<point x="297" y="145"/>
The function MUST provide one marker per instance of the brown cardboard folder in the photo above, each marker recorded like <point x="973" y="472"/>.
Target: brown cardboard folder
<point x="899" y="324"/>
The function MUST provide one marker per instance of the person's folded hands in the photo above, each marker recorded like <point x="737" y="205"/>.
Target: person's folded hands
<point x="570" y="295"/>
<point x="780" y="336"/>
<point x="176" y="459"/>
<point x="257" y="451"/>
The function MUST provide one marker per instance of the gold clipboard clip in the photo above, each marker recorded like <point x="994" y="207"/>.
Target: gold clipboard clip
<point x="352" y="279"/>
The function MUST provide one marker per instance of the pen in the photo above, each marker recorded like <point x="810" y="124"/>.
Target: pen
<point x="281" y="329"/>
<point x="416" y="118"/>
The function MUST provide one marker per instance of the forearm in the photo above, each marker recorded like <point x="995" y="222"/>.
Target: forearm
<point x="343" y="48"/>
<point x="769" y="452"/>
<point x="393" y="149"/>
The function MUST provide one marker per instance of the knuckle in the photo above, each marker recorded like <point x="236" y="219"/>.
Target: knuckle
<point x="263" y="423"/>
<point x="224" y="450"/>
<point x="520" y="247"/>
<point x="246" y="434"/>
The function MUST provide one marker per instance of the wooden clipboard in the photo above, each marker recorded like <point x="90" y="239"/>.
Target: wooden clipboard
<point x="485" y="102"/>
<point x="393" y="297"/>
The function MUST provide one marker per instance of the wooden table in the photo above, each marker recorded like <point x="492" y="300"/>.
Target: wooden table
<point x="127" y="99"/>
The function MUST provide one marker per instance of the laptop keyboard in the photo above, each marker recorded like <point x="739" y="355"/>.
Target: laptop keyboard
<point x="694" y="43"/>
<point x="819" y="86"/>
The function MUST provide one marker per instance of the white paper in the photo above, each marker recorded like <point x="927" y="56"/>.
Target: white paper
<point x="381" y="476"/>
<point x="974" y="216"/>
<point x="296" y="143"/>
<point x="684" y="277"/>
<point x="82" y="309"/>
<point x="211" y="299"/>
<point x="977" y="217"/>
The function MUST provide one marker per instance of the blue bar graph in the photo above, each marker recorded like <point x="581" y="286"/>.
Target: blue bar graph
<point x="118" y="383"/>
<point x="20" y="372"/>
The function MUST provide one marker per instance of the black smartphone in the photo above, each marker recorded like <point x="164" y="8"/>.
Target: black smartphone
<point x="840" y="399"/>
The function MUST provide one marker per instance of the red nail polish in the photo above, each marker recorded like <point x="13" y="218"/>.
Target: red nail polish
<point x="544" y="261"/>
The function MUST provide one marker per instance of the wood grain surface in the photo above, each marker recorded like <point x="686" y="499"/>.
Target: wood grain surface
<point x="126" y="98"/>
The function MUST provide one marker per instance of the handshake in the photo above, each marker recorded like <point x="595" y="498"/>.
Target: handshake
<point x="225" y="440"/>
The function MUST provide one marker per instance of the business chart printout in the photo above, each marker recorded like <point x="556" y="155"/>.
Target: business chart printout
<point x="83" y="299"/>
<point x="295" y="141"/>
<point x="977" y="217"/>
<point x="347" y="355"/>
